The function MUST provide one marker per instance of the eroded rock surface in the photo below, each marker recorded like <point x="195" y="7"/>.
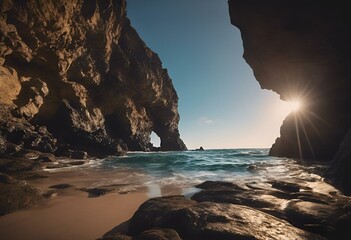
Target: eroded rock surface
<point x="314" y="210"/>
<point x="211" y="220"/>
<point x="76" y="75"/>
<point x="291" y="208"/>
<point x="15" y="195"/>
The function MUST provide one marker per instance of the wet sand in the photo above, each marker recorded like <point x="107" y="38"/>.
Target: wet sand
<point x="71" y="217"/>
<point x="72" y="214"/>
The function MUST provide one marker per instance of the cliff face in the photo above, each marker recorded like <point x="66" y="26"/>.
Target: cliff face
<point x="75" y="74"/>
<point x="300" y="49"/>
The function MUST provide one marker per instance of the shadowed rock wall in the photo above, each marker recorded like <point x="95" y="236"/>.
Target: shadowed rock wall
<point x="301" y="49"/>
<point x="75" y="74"/>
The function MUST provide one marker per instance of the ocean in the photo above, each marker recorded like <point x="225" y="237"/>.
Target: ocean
<point x="185" y="169"/>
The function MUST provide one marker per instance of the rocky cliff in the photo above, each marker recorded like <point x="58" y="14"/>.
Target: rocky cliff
<point x="76" y="75"/>
<point x="301" y="50"/>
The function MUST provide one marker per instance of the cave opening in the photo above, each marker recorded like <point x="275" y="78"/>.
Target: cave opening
<point x="155" y="140"/>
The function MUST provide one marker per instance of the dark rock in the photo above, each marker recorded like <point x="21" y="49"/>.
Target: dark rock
<point x="263" y="197"/>
<point x="118" y="236"/>
<point x="95" y="87"/>
<point x="227" y="192"/>
<point x="76" y="163"/>
<point x="311" y="216"/>
<point x="102" y="190"/>
<point x="13" y="165"/>
<point x="164" y="212"/>
<point x="309" y="210"/>
<point x="17" y="195"/>
<point x="30" y="154"/>
<point x="343" y="226"/>
<point x="79" y="155"/>
<point x="303" y="56"/>
<point x="12" y="148"/>
<point x="229" y="221"/>
<point x="3" y="147"/>
<point x="61" y="186"/>
<point x="225" y="210"/>
<point x="47" y="159"/>
<point x="63" y="151"/>
<point x="6" y="179"/>
<point x="158" y="234"/>
<point x="118" y="232"/>
<point x="50" y="194"/>
<point x="97" y="192"/>
<point x="286" y="186"/>
<point x="339" y="171"/>
<point x="29" y="176"/>
<point x="232" y="196"/>
<point x="219" y="185"/>
<point x="314" y="197"/>
<point x="57" y="165"/>
<point x="212" y="221"/>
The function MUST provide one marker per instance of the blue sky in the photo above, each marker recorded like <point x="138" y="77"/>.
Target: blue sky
<point x="221" y="105"/>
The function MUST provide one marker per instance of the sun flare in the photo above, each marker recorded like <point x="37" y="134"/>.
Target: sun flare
<point x="294" y="105"/>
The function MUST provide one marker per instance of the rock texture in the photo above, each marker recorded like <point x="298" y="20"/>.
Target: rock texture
<point x="339" y="170"/>
<point x="15" y="195"/>
<point x="76" y="75"/>
<point x="300" y="49"/>
<point x="279" y="209"/>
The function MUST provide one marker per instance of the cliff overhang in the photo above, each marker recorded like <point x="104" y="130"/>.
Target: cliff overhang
<point x="300" y="49"/>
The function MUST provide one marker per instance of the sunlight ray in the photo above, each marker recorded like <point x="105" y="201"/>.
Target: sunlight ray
<point x="298" y="137"/>
<point x="312" y="125"/>
<point x="307" y="138"/>
<point x="319" y="118"/>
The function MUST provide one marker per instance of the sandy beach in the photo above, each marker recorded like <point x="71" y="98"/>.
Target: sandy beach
<point x="71" y="217"/>
<point x="71" y="213"/>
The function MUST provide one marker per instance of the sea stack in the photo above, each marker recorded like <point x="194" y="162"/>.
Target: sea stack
<point x="75" y="75"/>
<point x="301" y="49"/>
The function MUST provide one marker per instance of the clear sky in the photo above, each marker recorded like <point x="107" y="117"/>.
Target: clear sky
<point x="221" y="105"/>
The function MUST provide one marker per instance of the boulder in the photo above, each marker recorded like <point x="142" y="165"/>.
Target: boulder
<point x="339" y="171"/>
<point x="158" y="234"/>
<point x="229" y="221"/>
<point x="15" y="195"/>
<point x="79" y="155"/>
<point x="163" y="212"/>
<point x="61" y="186"/>
<point x="208" y="220"/>
<point x="311" y="216"/>
<point x="286" y="186"/>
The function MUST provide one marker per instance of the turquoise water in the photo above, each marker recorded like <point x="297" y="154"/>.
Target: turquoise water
<point x="188" y="168"/>
<point x="165" y="173"/>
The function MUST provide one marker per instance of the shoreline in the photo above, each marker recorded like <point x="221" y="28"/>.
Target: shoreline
<point x="71" y="217"/>
<point x="88" y="203"/>
<point x="71" y="212"/>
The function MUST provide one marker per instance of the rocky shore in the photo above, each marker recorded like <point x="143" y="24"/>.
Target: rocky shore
<point x="300" y="207"/>
<point x="294" y="209"/>
<point x="15" y="173"/>
<point x="66" y="98"/>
